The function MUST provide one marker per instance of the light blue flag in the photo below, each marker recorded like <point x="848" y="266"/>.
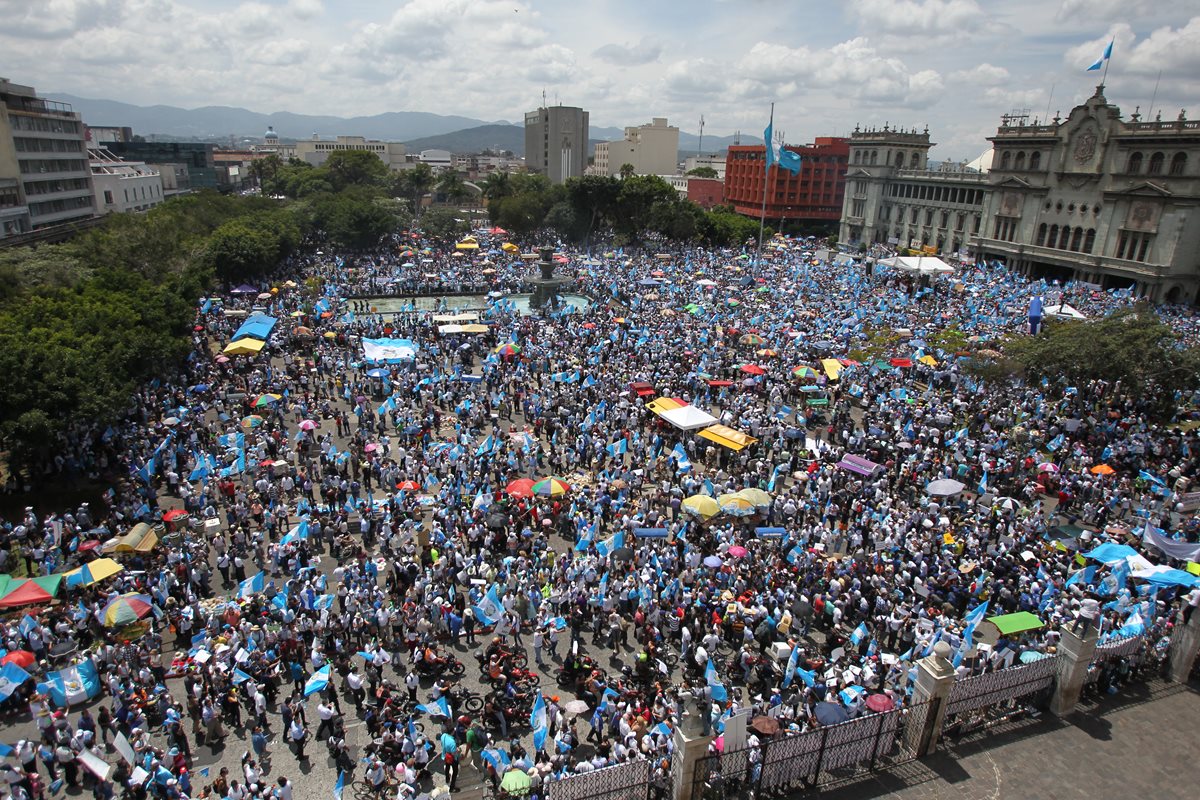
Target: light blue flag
<point x="537" y="721"/>
<point x="240" y="676"/>
<point x="252" y="585"/>
<point x="809" y="676"/>
<point x="714" y="683"/>
<point x="440" y="708"/>
<point x="789" y="160"/>
<point x="790" y="672"/>
<point x="340" y="786"/>
<point x="11" y="678"/>
<point x="768" y="135"/>
<point x="982" y="487"/>
<point x="318" y="681"/>
<point x="617" y="540"/>
<point x="1105" y="57"/>
<point x="857" y="635"/>
<point x="682" y="463"/>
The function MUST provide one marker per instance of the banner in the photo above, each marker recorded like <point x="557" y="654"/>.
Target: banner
<point x="388" y="350"/>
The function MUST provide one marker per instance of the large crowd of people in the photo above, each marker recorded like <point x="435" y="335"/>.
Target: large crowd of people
<point x="355" y="540"/>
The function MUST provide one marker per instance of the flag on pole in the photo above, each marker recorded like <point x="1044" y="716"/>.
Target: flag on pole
<point x="790" y="160"/>
<point x="790" y="672"/>
<point x="767" y="136"/>
<point x="340" y="786"/>
<point x="537" y="721"/>
<point x="1104" y="57"/>
<point x="318" y="681"/>
<point x="714" y="683"/>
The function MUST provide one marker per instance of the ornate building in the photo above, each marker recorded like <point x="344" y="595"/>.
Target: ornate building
<point x="893" y="198"/>
<point x="1100" y="199"/>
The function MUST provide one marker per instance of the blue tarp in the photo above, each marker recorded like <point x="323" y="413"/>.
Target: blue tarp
<point x="258" y="326"/>
<point x="768" y="532"/>
<point x="650" y="533"/>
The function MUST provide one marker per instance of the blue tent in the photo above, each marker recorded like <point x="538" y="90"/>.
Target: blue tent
<point x="769" y="532"/>
<point x="258" y="326"/>
<point x="650" y="533"/>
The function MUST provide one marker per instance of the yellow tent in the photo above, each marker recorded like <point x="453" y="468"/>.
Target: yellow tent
<point x="244" y="347"/>
<point x="661" y="404"/>
<point x="475" y="327"/>
<point x="930" y="360"/>
<point x="832" y="367"/>
<point x="468" y="243"/>
<point x="727" y="437"/>
<point x="140" y="539"/>
<point x="509" y="247"/>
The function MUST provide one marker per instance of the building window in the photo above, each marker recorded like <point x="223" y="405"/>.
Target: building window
<point x="108" y="197"/>
<point x="1052" y="240"/>
<point x="857" y="156"/>
<point x="1156" y="164"/>
<point x="1134" y="167"/>
<point x="1020" y="161"/>
<point x="1041" y="235"/>
<point x="915" y="161"/>
<point x="945" y="218"/>
<point x="1064" y="238"/>
<point x="1076" y="240"/>
<point x="962" y="219"/>
<point x="1179" y="163"/>
<point x="1089" y="240"/>
<point x="1035" y="161"/>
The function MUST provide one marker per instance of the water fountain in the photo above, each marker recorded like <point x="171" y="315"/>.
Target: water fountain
<point x="546" y="286"/>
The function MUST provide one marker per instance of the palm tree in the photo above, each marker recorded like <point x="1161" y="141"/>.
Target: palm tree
<point x="418" y="181"/>
<point x="626" y="171"/>
<point x="495" y="186"/>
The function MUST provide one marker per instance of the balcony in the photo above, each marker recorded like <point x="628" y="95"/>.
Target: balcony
<point x="1070" y="258"/>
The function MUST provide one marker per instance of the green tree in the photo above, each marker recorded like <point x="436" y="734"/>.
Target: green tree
<point x="638" y="195"/>
<point x="451" y="187"/>
<point x="702" y="172"/>
<point x="626" y="171"/>
<point x="353" y="219"/>
<point x="593" y="198"/>
<point x="1133" y="347"/>
<point x="443" y="224"/>
<point x="495" y="186"/>
<point x="360" y="168"/>
<point x="238" y="251"/>
<point x="414" y="184"/>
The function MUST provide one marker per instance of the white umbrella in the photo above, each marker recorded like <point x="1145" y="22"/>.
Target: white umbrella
<point x="944" y="487"/>
<point x="575" y="707"/>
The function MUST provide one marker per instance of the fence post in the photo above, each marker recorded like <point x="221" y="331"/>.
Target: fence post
<point x="935" y="680"/>
<point x="694" y="749"/>
<point x="1075" y="656"/>
<point x="1185" y="643"/>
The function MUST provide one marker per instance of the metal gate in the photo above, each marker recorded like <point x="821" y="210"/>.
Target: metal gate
<point x="815" y="758"/>
<point x="629" y="781"/>
<point x="1117" y="663"/>
<point x="982" y="701"/>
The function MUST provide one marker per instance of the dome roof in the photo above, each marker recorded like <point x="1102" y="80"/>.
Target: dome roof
<point x="270" y="134"/>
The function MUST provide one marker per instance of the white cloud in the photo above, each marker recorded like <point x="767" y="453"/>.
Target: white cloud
<point x="625" y="55"/>
<point x="281" y="53"/>
<point x="981" y="75"/>
<point x="1092" y="10"/>
<point x="918" y="17"/>
<point x="52" y="19"/>
<point x="306" y="9"/>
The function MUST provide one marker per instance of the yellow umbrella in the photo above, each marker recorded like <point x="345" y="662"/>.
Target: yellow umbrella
<point x="758" y="497"/>
<point x="702" y="506"/>
<point x="735" y="505"/>
<point x="330" y="335"/>
<point x="930" y="360"/>
<point x="509" y="247"/>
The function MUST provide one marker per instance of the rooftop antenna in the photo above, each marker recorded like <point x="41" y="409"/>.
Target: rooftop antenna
<point x="1048" y="99"/>
<point x="543" y="98"/>
<point x="700" y="146"/>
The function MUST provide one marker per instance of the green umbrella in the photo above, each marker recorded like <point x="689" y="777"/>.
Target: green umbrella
<point x="515" y="782"/>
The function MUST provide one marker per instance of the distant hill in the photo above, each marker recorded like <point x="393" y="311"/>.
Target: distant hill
<point x="473" y="140"/>
<point x="217" y="121"/>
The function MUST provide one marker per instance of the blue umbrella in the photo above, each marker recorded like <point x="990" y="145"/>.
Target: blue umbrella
<point x="377" y="373"/>
<point x="830" y="713"/>
<point x="199" y="387"/>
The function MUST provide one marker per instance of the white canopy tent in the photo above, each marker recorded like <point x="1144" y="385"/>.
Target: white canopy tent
<point x="689" y="418"/>
<point x="922" y="265"/>
<point x="1064" y="311"/>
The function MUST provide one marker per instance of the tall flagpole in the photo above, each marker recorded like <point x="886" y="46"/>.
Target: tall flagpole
<point x="762" y="219"/>
<point x="1104" y="77"/>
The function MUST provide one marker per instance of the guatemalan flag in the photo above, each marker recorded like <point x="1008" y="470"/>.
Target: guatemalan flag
<point x="714" y="683"/>
<point x="1105" y="57"/>
<point x="75" y="684"/>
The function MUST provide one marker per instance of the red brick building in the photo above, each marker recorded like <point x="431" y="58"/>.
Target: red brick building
<point x="705" y="192"/>
<point x="815" y="195"/>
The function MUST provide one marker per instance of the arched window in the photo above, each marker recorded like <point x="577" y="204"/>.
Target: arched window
<point x="1134" y="167"/>
<point x="915" y="161"/>
<point x="858" y="156"/>
<point x="874" y="157"/>
<point x="1035" y="161"/>
<point x="1064" y="237"/>
<point x="1020" y="162"/>
<point x="1089" y="240"/>
<point x="1077" y="240"/>
<point x="1041" y="235"/>
<point x="1156" y="164"/>
<point x="1179" y="164"/>
<point x="1006" y="161"/>
<point x="1052" y="241"/>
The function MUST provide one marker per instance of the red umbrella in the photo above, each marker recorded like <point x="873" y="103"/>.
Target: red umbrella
<point x="174" y="514"/>
<point x="90" y="544"/>
<point x="523" y="487"/>
<point x="880" y="703"/>
<point x="22" y="658"/>
<point x="753" y="369"/>
<point x="407" y="486"/>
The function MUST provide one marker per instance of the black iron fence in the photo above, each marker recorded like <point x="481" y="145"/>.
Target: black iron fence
<point x="815" y="758"/>
<point x="983" y="701"/>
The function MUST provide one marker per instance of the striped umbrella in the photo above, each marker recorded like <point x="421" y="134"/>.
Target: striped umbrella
<point x="804" y="372"/>
<point x="126" y="609"/>
<point x="508" y="349"/>
<point x="551" y="487"/>
<point x="752" y="338"/>
<point x="252" y="421"/>
<point x="267" y="400"/>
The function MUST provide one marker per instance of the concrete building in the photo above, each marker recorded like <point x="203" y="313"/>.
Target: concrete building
<point x="714" y="162"/>
<point x="185" y="166"/>
<point x="650" y="149"/>
<point x="813" y="196"/>
<point x="893" y="198"/>
<point x="316" y="150"/>
<point x="123" y="185"/>
<point x="45" y="179"/>
<point x="1098" y="198"/>
<point x="99" y="135"/>
<point x="556" y="142"/>
<point x="706" y="192"/>
<point x="438" y="160"/>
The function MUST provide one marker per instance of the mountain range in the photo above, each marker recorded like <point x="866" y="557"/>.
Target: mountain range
<point x="419" y="130"/>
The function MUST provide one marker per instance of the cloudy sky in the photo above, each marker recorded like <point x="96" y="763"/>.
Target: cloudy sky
<point x="955" y="65"/>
